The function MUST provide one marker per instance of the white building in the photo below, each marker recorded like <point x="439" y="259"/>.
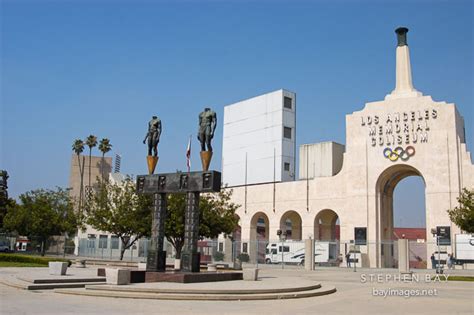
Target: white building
<point x="259" y="139"/>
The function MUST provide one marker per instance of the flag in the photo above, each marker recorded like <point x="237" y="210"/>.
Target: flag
<point x="188" y="155"/>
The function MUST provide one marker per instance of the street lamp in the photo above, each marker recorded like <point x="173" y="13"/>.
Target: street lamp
<point x="355" y="257"/>
<point x="282" y="235"/>
<point x="437" y="235"/>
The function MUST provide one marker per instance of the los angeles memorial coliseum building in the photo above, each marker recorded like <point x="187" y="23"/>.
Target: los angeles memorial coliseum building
<point x="406" y="134"/>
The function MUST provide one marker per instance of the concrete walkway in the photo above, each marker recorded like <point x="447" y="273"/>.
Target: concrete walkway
<point x="357" y="293"/>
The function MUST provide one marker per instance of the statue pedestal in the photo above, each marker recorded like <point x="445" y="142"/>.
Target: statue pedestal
<point x="206" y="157"/>
<point x="151" y="161"/>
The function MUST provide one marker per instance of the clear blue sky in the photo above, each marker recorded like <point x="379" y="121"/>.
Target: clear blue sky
<point x="74" y="68"/>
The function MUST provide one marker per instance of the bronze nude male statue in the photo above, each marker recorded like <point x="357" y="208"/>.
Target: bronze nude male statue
<point x="153" y="135"/>
<point x="207" y="126"/>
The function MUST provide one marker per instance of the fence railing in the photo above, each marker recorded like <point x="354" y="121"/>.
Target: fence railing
<point x="282" y="252"/>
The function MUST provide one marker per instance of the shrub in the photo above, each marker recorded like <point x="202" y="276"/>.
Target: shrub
<point x="243" y="257"/>
<point x="219" y="256"/>
<point x="30" y="259"/>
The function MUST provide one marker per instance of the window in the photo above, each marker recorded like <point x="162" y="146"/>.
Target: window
<point x="444" y="235"/>
<point x="285" y="249"/>
<point x="221" y="247"/>
<point x="287" y="166"/>
<point x="287" y="132"/>
<point x="244" y="247"/>
<point x="274" y="251"/>
<point x="114" y="242"/>
<point x="360" y="235"/>
<point x="103" y="241"/>
<point x="91" y="241"/>
<point x="287" y="102"/>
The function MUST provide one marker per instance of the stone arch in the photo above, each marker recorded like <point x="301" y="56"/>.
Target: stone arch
<point x="259" y="236"/>
<point x="385" y="187"/>
<point x="325" y="228"/>
<point x="259" y="227"/>
<point x="291" y="223"/>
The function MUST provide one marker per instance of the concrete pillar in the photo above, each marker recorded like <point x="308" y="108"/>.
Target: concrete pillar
<point x="404" y="86"/>
<point x="308" y="230"/>
<point x="403" y="256"/>
<point x="227" y="249"/>
<point x="309" y="254"/>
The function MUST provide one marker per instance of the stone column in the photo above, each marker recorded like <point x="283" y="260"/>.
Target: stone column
<point x="403" y="256"/>
<point x="190" y="257"/>
<point x="404" y="86"/>
<point x="228" y="249"/>
<point x="156" y="260"/>
<point x="309" y="254"/>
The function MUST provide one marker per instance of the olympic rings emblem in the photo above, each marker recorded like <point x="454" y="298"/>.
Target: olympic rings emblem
<point x="399" y="152"/>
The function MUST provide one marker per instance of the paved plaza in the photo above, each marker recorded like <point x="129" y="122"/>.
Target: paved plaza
<point x="355" y="295"/>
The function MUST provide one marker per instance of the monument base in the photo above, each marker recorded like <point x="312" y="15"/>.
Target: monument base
<point x="156" y="261"/>
<point x="190" y="262"/>
<point x="192" y="277"/>
<point x="206" y="157"/>
<point x="151" y="161"/>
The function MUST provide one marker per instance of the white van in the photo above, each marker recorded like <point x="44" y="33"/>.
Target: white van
<point x="293" y="252"/>
<point x="288" y="252"/>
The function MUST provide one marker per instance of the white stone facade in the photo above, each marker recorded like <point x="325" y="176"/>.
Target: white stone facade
<point x="320" y="159"/>
<point x="404" y="135"/>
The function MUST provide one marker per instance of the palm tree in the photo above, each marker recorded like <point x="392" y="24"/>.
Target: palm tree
<point x="78" y="148"/>
<point x="104" y="147"/>
<point x="91" y="142"/>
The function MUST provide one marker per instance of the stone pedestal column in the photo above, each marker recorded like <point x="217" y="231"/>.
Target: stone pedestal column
<point x="156" y="260"/>
<point x="403" y="256"/>
<point x="309" y="254"/>
<point x="190" y="257"/>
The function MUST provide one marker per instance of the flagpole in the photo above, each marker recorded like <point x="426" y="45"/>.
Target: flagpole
<point x="188" y="155"/>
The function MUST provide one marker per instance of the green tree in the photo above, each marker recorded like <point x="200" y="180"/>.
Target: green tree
<point x="4" y="200"/>
<point x="104" y="147"/>
<point x="217" y="215"/>
<point x="91" y="142"/>
<point x="117" y="209"/>
<point x="78" y="148"/>
<point x="41" y="214"/>
<point x="463" y="215"/>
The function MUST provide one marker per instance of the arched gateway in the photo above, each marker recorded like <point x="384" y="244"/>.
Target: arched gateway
<point x="406" y="134"/>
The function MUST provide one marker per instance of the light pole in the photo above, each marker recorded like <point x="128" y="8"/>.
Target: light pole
<point x="438" y="264"/>
<point x="283" y="250"/>
<point x="355" y="259"/>
<point x="281" y="235"/>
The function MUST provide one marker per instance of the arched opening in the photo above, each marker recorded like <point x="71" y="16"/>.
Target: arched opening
<point x="290" y="222"/>
<point x="399" y="211"/>
<point x="326" y="226"/>
<point x="238" y="230"/>
<point x="259" y="236"/>
<point x="236" y="240"/>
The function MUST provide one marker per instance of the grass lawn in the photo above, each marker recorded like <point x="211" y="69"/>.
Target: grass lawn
<point x="458" y="278"/>
<point x="20" y="264"/>
<point x="21" y="260"/>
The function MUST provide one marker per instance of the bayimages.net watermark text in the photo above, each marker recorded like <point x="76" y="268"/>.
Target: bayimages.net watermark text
<point x="405" y="279"/>
<point x="406" y="293"/>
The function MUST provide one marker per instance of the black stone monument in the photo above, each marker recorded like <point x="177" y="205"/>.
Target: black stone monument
<point x="192" y="184"/>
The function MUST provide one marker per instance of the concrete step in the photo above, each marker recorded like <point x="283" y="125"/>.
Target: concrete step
<point x="135" y="289"/>
<point x="20" y="284"/>
<point x="52" y="286"/>
<point x="63" y="280"/>
<point x="199" y="297"/>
